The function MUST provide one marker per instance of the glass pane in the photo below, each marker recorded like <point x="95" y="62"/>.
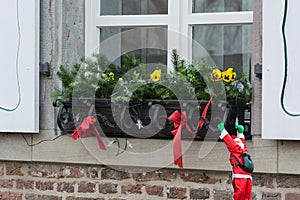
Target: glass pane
<point x="228" y="45"/>
<point x="133" y="7"/>
<point x="204" y="6"/>
<point x="149" y="44"/>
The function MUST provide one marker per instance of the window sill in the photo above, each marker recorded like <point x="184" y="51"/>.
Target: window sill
<point x="213" y="155"/>
<point x="270" y="156"/>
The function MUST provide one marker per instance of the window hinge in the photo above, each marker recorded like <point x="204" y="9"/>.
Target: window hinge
<point x="258" y="70"/>
<point x="45" y="69"/>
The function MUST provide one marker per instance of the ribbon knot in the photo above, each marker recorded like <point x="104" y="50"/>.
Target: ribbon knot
<point x="84" y="130"/>
<point x="180" y="121"/>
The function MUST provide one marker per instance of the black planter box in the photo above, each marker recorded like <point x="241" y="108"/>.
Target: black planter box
<point x="149" y="119"/>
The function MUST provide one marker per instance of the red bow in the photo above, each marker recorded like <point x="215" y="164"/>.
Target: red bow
<point x="180" y="121"/>
<point x="83" y="130"/>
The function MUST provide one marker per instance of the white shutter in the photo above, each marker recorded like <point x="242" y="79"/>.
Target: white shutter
<point x="281" y="105"/>
<point x="19" y="76"/>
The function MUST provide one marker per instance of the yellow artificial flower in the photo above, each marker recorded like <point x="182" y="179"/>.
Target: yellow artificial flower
<point x="228" y="75"/>
<point x="120" y="79"/>
<point x="156" y="75"/>
<point x="233" y="76"/>
<point x="103" y="75"/>
<point x="111" y="76"/>
<point x="216" y="75"/>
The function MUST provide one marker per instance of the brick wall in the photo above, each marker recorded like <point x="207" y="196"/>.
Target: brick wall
<point x="85" y="182"/>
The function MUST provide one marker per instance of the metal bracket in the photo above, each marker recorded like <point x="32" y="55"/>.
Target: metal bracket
<point x="45" y="69"/>
<point x="258" y="70"/>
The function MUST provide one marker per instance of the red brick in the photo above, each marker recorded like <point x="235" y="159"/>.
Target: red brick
<point x="42" y="197"/>
<point x="93" y="173"/>
<point x="263" y="181"/>
<point x="10" y="196"/>
<point x="292" y="196"/>
<point x="24" y="184"/>
<point x="55" y="171"/>
<point x="176" y="193"/>
<point x="271" y="196"/>
<point x="82" y="198"/>
<point x="45" y="171"/>
<point x="198" y="178"/>
<point x="201" y="193"/>
<point x="108" y="173"/>
<point x="85" y="187"/>
<point x="288" y="182"/>
<point x="44" y="185"/>
<point x="116" y="199"/>
<point x="223" y="194"/>
<point x="155" y="190"/>
<point x="131" y="189"/>
<point x="1" y="169"/>
<point x="6" y="184"/>
<point x="74" y="172"/>
<point x="165" y="175"/>
<point x="14" y="169"/>
<point x="108" y="188"/>
<point x="65" y="187"/>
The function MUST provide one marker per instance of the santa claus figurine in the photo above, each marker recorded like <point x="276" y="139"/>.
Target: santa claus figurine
<point x="236" y="145"/>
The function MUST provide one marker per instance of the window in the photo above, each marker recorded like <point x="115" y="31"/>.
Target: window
<point x="228" y="45"/>
<point x="125" y="41"/>
<point x="206" y="6"/>
<point x="222" y="28"/>
<point x="133" y="7"/>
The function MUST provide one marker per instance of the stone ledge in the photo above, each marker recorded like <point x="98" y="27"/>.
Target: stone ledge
<point x="269" y="156"/>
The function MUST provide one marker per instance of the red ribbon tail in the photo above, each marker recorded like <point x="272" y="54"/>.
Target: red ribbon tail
<point x="75" y="134"/>
<point x="204" y="113"/>
<point x="100" y="141"/>
<point x="177" y="151"/>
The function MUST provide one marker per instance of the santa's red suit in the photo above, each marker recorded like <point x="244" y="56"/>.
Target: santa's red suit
<point x="241" y="180"/>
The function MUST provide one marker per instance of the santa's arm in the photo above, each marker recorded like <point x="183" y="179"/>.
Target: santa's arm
<point x="231" y="145"/>
<point x="229" y="142"/>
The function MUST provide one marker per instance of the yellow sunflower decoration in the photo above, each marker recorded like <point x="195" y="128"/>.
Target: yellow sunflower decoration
<point x="156" y="75"/>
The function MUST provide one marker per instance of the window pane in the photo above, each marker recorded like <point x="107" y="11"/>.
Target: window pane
<point x="148" y="44"/>
<point x="133" y="7"/>
<point x="228" y="45"/>
<point x="203" y="6"/>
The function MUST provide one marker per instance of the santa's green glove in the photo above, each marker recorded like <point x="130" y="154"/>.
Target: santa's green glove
<point x="221" y="126"/>
<point x="240" y="129"/>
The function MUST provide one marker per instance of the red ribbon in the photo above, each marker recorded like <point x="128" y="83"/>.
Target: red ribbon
<point x="204" y="113"/>
<point x="84" y="131"/>
<point x="180" y="121"/>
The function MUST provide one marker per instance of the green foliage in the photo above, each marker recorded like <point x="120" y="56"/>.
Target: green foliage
<point x="232" y="92"/>
<point x="134" y="81"/>
<point x="92" y="76"/>
<point x="199" y="76"/>
<point x="192" y="74"/>
<point x="67" y="78"/>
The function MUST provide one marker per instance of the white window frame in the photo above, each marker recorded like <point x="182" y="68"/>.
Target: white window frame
<point x="179" y="19"/>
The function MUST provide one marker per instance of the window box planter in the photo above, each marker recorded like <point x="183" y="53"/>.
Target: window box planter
<point x="149" y="119"/>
